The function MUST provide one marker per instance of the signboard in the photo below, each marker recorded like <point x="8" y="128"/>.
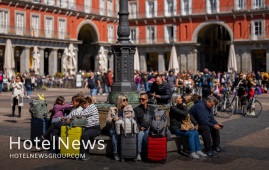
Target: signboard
<point x="78" y="80"/>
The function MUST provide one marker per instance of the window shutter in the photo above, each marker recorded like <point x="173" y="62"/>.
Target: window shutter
<point x="155" y="8"/>
<point x="175" y="7"/>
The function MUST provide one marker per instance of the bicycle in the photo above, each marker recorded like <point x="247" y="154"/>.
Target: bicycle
<point x="253" y="107"/>
<point x="225" y="108"/>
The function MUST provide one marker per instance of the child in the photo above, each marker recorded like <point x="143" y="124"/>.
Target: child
<point x="58" y="109"/>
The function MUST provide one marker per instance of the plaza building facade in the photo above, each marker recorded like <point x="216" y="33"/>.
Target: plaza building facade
<point x="52" y="25"/>
<point x="202" y="32"/>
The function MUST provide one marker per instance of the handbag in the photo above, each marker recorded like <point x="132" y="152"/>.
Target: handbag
<point x="80" y="121"/>
<point x="186" y="124"/>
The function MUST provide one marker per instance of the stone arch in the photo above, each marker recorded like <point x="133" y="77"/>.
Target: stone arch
<point x="93" y="27"/>
<point x="211" y="22"/>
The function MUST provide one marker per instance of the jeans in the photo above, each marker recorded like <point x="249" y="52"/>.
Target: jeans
<point x="1" y="84"/>
<point x="193" y="137"/>
<point x="138" y="87"/>
<point x="115" y="139"/>
<point x="104" y="88"/>
<point x="29" y="90"/>
<point x="146" y="85"/>
<point x="93" y="92"/>
<point x="142" y="139"/>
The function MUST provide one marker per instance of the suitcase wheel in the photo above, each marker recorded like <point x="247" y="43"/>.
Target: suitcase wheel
<point x="134" y="160"/>
<point x="122" y="160"/>
<point x="149" y="160"/>
<point x="163" y="161"/>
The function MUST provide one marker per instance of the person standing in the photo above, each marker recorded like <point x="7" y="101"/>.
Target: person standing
<point x="1" y="80"/>
<point x="143" y="116"/>
<point x="17" y="95"/>
<point x="161" y="91"/>
<point x="109" y="80"/>
<point x="93" y="83"/>
<point x="208" y="127"/>
<point x="206" y="83"/>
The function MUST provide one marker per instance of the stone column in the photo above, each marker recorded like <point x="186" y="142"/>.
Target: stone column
<point x="143" y="64"/>
<point x="53" y="62"/>
<point x="25" y="60"/>
<point x="195" y="60"/>
<point x="41" y="64"/>
<point x="183" y="62"/>
<point x="161" y="66"/>
<point x="76" y="57"/>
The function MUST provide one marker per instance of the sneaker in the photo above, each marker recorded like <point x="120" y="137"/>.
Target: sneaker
<point x="194" y="155"/>
<point x="138" y="157"/>
<point x="104" y="94"/>
<point x="28" y="97"/>
<point x="212" y="154"/>
<point x="87" y="157"/>
<point x="200" y="153"/>
<point x="217" y="149"/>
<point x="116" y="157"/>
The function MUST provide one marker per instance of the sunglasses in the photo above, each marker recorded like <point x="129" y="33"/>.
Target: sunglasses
<point x="124" y="100"/>
<point x="142" y="99"/>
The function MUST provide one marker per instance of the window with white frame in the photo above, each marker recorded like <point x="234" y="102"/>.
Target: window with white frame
<point x="3" y="21"/>
<point x="88" y="6"/>
<point x="186" y="7"/>
<point x="102" y="7"/>
<point x="110" y="33"/>
<point x="71" y="4"/>
<point x="240" y="4"/>
<point x="150" y="34"/>
<point x="212" y="6"/>
<point x="62" y="28"/>
<point x="19" y="23"/>
<point x="132" y="10"/>
<point x="169" y="33"/>
<point x="170" y="7"/>
<point x="117" y="7"/>
<point x="110" y="8"/>
<point x="133" y="35"/>
<point x="151" y="8"/>
<point x="35" y="25"/>
<point x="48" y="27"/>
<point x="49" y="2"/>
<point x="257" y="4"/>
<point x="257" y="27"/>
<point x="62" y="3"/>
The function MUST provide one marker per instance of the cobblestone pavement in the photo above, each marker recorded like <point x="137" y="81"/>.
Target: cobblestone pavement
<point x="245" y="141"/>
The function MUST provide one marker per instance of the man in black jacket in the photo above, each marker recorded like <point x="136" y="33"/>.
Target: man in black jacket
<point x="161" y="90"/>
<point x="143" y="116"/>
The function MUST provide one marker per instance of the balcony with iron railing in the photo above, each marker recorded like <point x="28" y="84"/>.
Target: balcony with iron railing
<point x="72" y="6"/>
<point x="199" y="11"/>
<point x="30" y="32"/>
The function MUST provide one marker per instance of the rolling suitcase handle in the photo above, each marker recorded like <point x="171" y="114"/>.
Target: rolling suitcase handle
<point x="132" y="128"/>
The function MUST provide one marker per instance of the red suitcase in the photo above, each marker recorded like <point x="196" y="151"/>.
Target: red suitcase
<point x="157" y="149"/>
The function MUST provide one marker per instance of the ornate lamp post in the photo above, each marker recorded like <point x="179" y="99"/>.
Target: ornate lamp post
<point x="123" y="52"/>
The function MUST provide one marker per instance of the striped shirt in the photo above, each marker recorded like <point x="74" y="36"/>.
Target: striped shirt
<point x="90" y="112"/>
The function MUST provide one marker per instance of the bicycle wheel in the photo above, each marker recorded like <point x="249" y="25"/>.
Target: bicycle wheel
<point x="235" y="105"/>
<point x="224" y="110"/>
<point x="253" y="110"/>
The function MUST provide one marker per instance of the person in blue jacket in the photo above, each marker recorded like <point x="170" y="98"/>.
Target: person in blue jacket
<point x="208" y="127"/>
